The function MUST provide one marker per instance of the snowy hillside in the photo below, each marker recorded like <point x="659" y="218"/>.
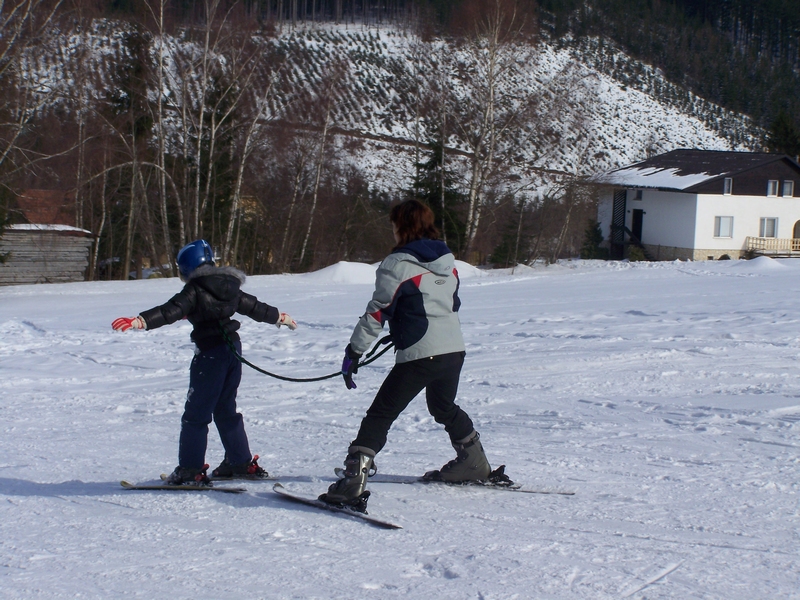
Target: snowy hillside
<point x="616" y="110"/>
<point x="665" y="395"/>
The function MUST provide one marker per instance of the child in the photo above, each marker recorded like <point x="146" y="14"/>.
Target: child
<point x="208" y="300"/>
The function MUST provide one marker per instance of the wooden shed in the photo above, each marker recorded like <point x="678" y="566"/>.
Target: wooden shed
<point x="44" y="254"/>
<point x="48" y="248"/>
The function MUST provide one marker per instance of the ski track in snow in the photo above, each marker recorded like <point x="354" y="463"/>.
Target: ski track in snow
<point x="666" y="395"/>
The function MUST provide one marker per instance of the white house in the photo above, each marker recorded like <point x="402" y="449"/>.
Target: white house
<point x="703" y="205"/>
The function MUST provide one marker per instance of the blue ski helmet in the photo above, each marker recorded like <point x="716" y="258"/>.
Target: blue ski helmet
<point x="193" y="255"/>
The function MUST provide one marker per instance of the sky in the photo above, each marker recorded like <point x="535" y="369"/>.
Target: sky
<point x="666" y="396"/>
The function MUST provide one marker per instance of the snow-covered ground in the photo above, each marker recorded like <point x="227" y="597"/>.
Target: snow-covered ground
<point x="666" y="395"/>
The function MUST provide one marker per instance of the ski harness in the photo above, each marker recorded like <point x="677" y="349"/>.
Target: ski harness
<point x="369" y="358"/>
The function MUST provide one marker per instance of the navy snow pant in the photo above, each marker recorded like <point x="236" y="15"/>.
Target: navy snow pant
<point x="214" y="378"/>
<point x="438" y="376"/>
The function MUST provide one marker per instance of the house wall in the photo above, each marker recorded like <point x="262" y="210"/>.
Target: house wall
<point x="669" y="218"/>
<point x="605" y="206"/>
<point x="747" y="212"/>
<point x="753" y="183"/>
<point x="679" y="225"/>
<point x="667" y="224"/>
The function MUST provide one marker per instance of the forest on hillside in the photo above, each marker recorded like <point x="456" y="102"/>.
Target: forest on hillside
<point x="246" y="144"/>
<point x="741" y="54"/>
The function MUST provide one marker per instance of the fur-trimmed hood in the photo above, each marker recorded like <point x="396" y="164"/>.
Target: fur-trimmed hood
<point x="204" y="270"/>
<point x="223" y="283"/>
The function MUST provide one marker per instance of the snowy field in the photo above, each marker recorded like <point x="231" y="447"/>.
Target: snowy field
<point x="666" y="395"/>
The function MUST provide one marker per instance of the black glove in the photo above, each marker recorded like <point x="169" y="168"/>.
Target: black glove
<point x="350" y="367"/>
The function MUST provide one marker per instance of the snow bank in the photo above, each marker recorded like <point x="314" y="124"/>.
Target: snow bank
<point x="466" y="270"/>
<point x="758" y="264"/>
<point x="362" y="273"/>
<point x="343" y="272"/>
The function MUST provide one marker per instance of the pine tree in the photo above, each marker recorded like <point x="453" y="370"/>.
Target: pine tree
<point x="593" y="237"/>
<point x="447" y="204"/>
<point x="784" y="136"/>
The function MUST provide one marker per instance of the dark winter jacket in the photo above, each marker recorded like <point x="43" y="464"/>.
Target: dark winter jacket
<point x="416" y="291"/>
<point x="209" y="299"/>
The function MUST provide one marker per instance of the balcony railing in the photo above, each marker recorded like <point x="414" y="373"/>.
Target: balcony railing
<point x="760" y="245"/>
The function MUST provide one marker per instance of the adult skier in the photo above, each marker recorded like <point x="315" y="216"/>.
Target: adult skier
<point x="209" y="299"/>
<point x="416" y="291"/>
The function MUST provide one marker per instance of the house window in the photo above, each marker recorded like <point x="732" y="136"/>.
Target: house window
<point x="769" y="227"/>
<point x="638" y="195"/>
<point x="727" y="186"/>
<point x="788" y="188"/>
<point x="723" y="227"/>
<point x="772" y="187"/>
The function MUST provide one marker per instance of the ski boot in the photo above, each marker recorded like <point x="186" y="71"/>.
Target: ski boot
<point x="470" y="464"/>
<point x="350" y="491"/>
<point x="248" y="470"/>
<point x="186" y="476"/>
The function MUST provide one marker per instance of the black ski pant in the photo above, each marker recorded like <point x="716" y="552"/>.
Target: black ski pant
<point x="438" y="376"/>
<point x="214" y="378"/>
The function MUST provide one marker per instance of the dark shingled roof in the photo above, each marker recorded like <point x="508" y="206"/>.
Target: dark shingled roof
<point x="683" y="169"/>
<point x="708" y="162"/>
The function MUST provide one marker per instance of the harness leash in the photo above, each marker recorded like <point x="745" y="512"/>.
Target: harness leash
<point x="369" y="358"/>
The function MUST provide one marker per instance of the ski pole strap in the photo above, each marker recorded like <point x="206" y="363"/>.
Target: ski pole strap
<point x="369" y="358"/>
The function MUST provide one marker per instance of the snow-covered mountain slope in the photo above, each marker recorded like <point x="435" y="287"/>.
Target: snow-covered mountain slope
<point x="615" y="110"/>
<point x="611" y="110"/>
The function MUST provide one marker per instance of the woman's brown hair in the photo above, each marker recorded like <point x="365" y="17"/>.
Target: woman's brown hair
<point x="413" y="220"/>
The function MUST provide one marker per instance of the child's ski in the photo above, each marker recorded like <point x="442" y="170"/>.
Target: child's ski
<point x="238" y="477"/>
<point x="313" y="502"/>
<point x="181" y="488"/>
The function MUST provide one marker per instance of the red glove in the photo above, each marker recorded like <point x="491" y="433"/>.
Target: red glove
<point x="285" y="319"/>
<point x="125" y="323"/>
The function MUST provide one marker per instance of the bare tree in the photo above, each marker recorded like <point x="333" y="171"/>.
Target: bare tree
<point x="214" y="77"/>
<point x="299" y="154"/>
<point x="496" y="103"/>
<point x="328" y="100"/>
<point x="22" y="25"/>
<point x="259" y="115"/>
<point x="157" y="11"/>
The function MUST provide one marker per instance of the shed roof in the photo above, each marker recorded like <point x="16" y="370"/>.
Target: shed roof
<point x="682" y="170"/>
<point x="52" y="228"/>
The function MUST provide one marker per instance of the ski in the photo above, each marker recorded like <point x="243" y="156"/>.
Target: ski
<point x="480" y="484"/>
<point x="314" y="502"/>
<point x="233" y="478"/>
<point x="181" y="488"/>
<point x="497" y="481"/>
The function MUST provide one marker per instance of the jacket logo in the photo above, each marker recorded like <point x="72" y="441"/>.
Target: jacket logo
<point x="440" y="281"/>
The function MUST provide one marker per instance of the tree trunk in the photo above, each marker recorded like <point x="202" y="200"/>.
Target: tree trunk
<point x="131" y="226"/>
<point x="101" y="226"/>
<point x="260" y="105"/>
<point x="161" y="158"/>
<point x="320" y="160"/>
<point x="295" y="190"/>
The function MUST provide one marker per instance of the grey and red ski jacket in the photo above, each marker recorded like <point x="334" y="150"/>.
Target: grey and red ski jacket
<point x="416" y="291"/>
<point x="209" y="299"/>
